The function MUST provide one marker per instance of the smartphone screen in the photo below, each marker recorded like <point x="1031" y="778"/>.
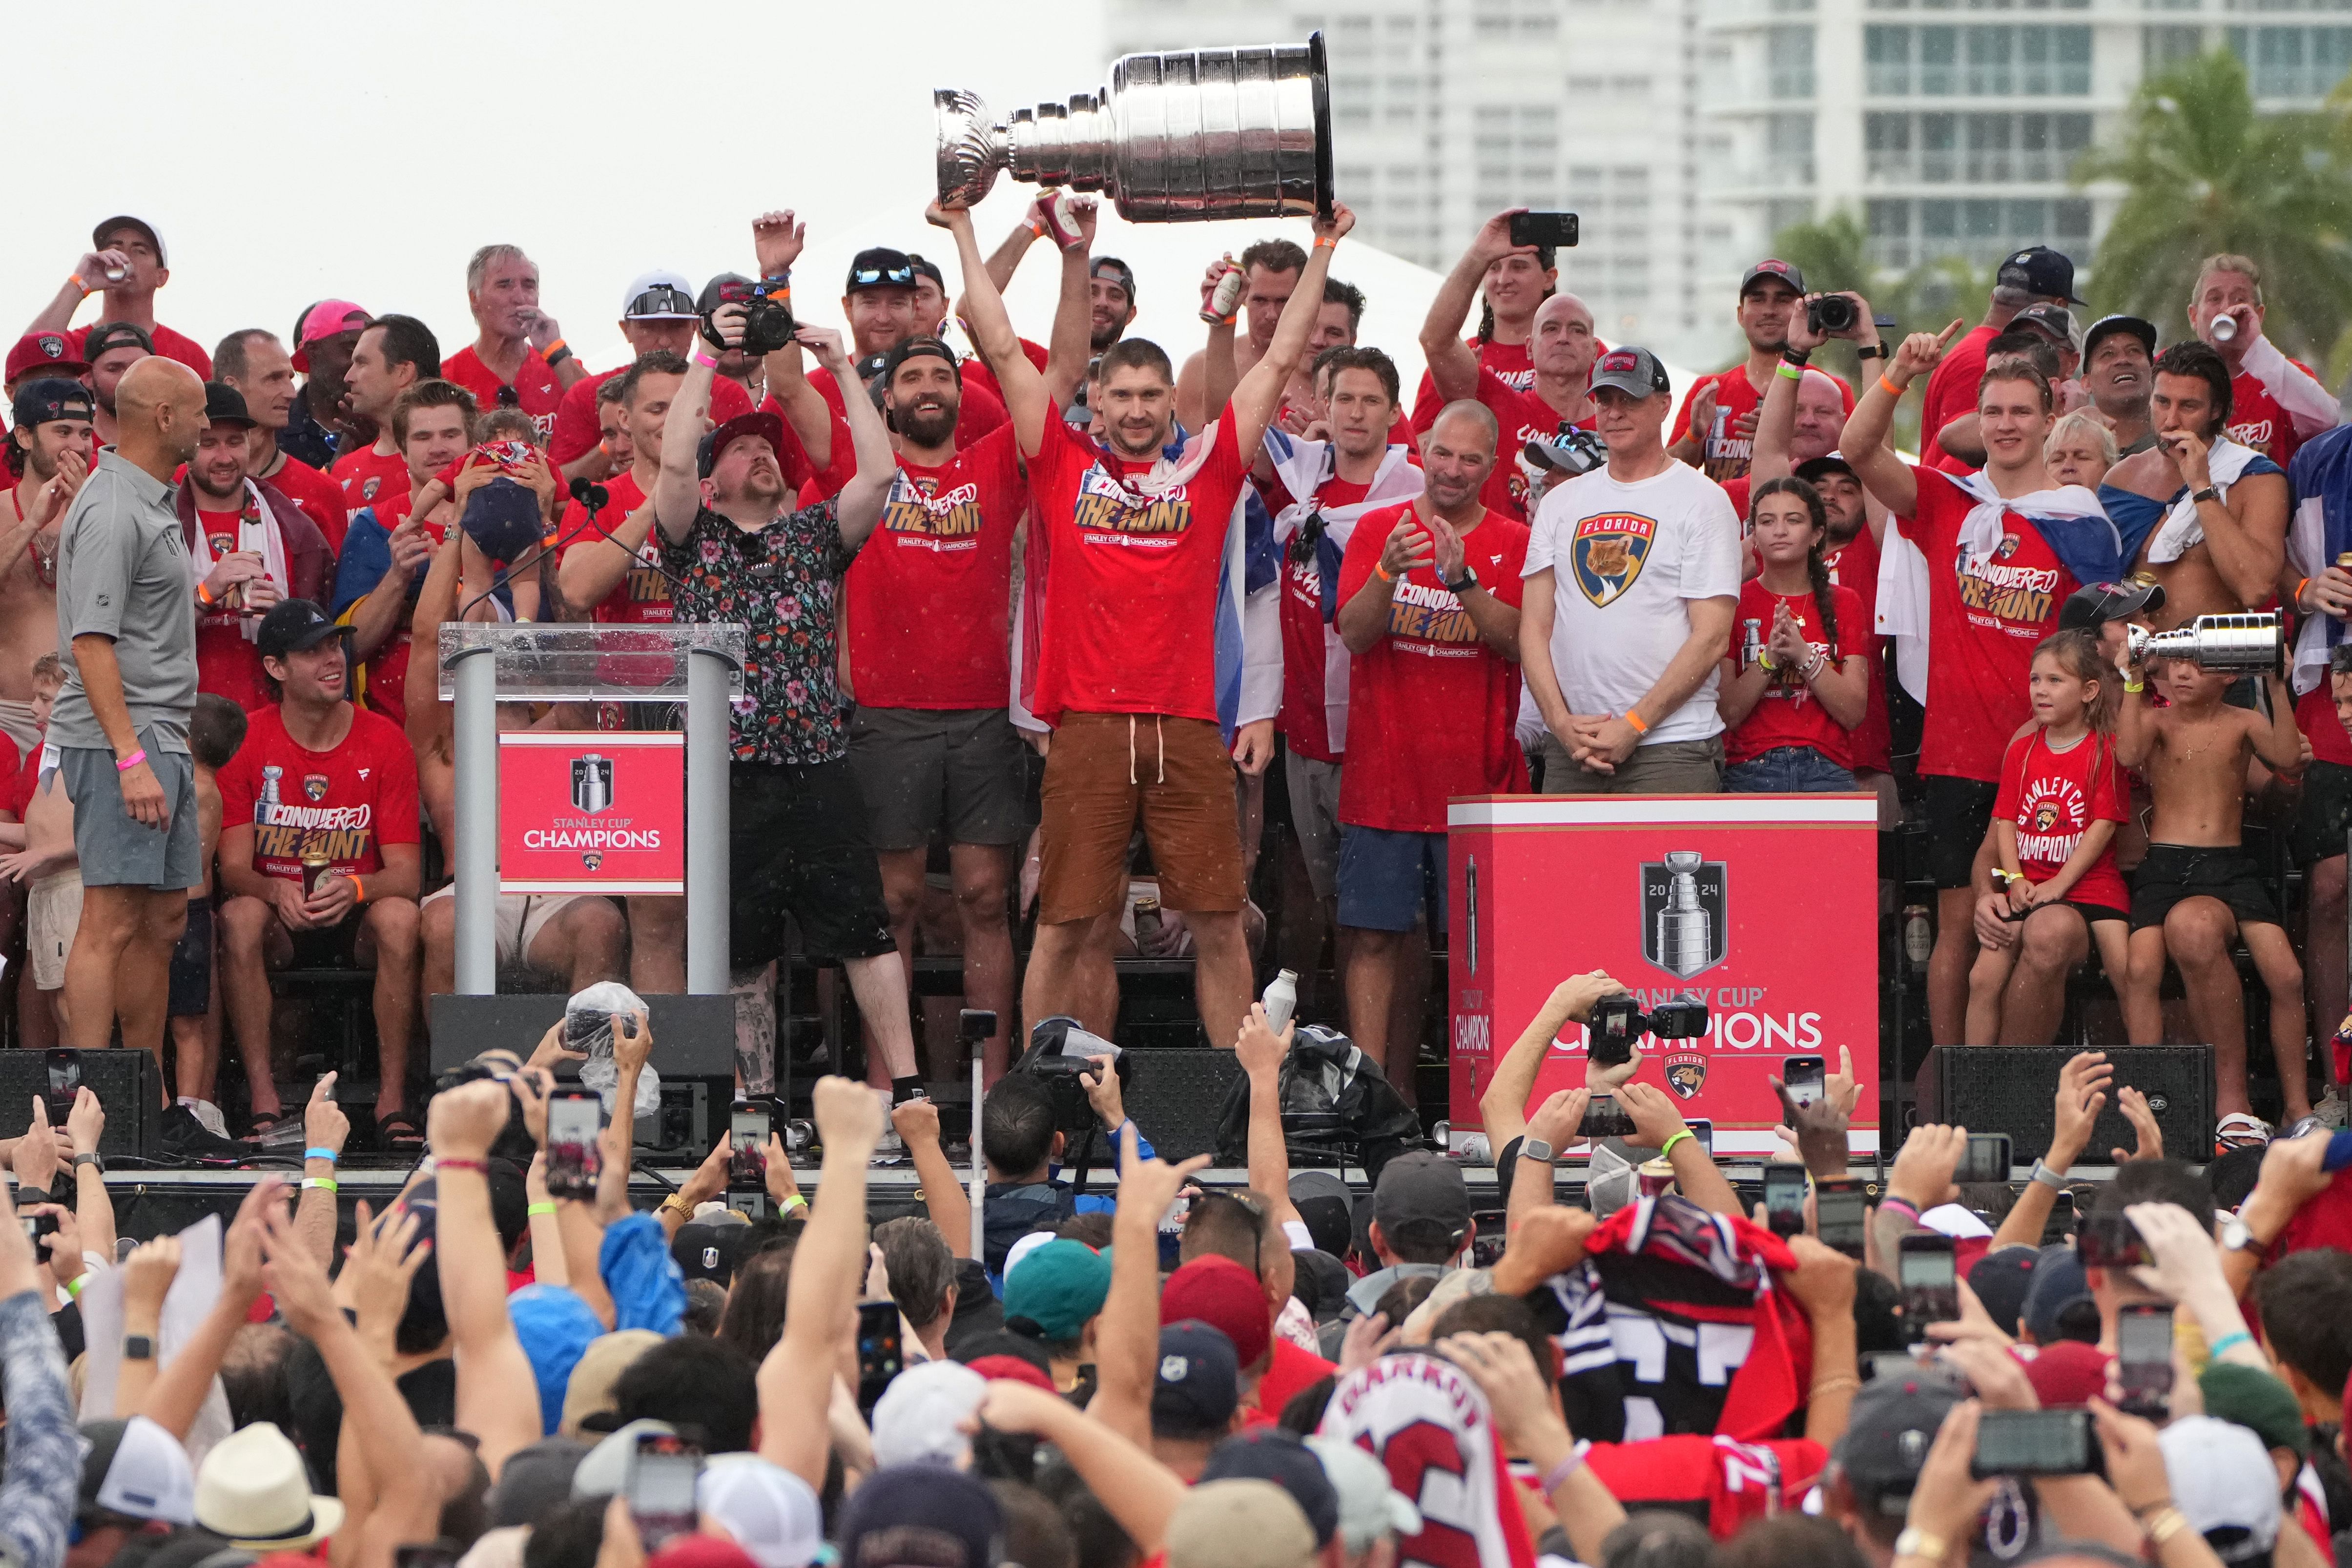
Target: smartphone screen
<point x="1490" y="1230"/>
<point x="2061" y="1223"/>
<point x="1704" y="1130"/>
<point x="2034" y="1443"/>
<point x="746" y="1150"/>
<point x="64" y="1081"/>
<point x="2143" y="1361"/>
<point x="1930" y="1280"/>
<point x="1605" y="1118"/>
<point x="879" y="1353"/>
<point x="575" y="1117"/>
<point x="1986" y="1160"/>
<point x="661" y="1487"/>
<point x="1838" y="1214"/>
<point x="1806" y="1079"/>
<point x="1784" y="1199"/>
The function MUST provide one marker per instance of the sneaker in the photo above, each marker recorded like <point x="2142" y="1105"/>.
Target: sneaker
<point x="209" y="1115"/>
<point x="2329" y="1111"/>
<point x="188" y="1140"/>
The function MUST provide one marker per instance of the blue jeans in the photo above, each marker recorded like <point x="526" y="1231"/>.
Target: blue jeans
<point x="1787" y="770"/>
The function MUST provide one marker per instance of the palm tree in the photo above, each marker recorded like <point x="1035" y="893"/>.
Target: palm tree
<point x="2202" y="173"/>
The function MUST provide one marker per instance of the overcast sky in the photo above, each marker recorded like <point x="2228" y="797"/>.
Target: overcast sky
<point x="294" y="151"/>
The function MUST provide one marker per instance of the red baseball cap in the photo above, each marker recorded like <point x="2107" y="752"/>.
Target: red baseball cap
<point x="2067" y="1373"/>
<point x="325" y="320"/>
<point x="1222" y="1294"/>
<point x="44" y="353"/>
<point x="1011" y="1369"/>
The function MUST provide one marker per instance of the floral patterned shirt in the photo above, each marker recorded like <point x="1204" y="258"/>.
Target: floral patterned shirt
<point x="779" y="584"/>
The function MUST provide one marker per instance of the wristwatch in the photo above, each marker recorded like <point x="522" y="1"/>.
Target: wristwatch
<point x="138" y="1347"/>
<point x="1871" y="351"/>
<point x="1464" y="584"/>
<point x="1534" y="1148"/>
<point x="1916" y="1543"/>
<point x="2208" y="493"/>
<point x="2237" y="1235"/>
<point x="88" y="1158"/>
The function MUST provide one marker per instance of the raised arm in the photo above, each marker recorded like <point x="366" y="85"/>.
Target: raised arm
<point x="1503" y="1109"/>
<point x="1127" y="1338"/>
<point x="2279" y="744"/>
<point x="181" y="1383"/>
<point x="1026" y="398"/>
<point x="1005" y="259"/>
<point x="1261" y="391"/>
<point x="497" y="1397"/>
<point x="677" y="489"/>
<point x="2082" y="1085"/>
<point x="1453" y="363"/>
<point x="916" y="1122"/>
<point x="2138" y="729"/>
<point x="1261" y="1052"/>
<point x="1072" y="343"/>
<point x="861" y="500"/>
<point x="43" y="1450"/>
<point x="1137" y="1489"/>
<point x="796" y="1379"/>
<point x="430" y="720"/>
<point x="1863" y="441"/>
<point x="93" y="1206"/>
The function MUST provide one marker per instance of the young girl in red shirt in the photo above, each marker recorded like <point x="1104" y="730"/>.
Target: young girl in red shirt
<point x="1798" y="677"/>
<point x="2056" y="888"/>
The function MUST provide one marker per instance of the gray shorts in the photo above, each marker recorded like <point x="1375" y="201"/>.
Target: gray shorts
<point x="1314" y="816"/>
<point x="1662" y="767"/>
<point x="922" y="769"/>
<point x="116" y="852"/>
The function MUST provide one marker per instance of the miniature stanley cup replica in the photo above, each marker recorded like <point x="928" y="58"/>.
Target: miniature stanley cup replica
<point x="2253" y="644"/>
<point x="1684" y="932"/>
<point x="1183" y="137"/>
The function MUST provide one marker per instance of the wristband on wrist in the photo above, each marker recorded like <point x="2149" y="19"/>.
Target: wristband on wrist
<point x="1037" y="227"/>
<point x="130" y="761"/>
<point x="1558" y="1473"/>
<point x="2299" y="587"/>
<point x="359" y="891"/>
<point x="1382" y="573"/>
<point x="74" y="1286"/>
<point x="2048" y="1177"/>
<point x="481" y="1167"/>
<point x="1635" y="720"/>
<point x="1325" y="242"/>
<point x="1667" y="1147"/>
<point x="1790" y="370"/>
<point x="324" y="1184"/>
<point x="551" y="349"/>
<point x="1798" y="357"/>
<point x="1906" y="1204"/>
<point x="2164" y="1524"/>
<point x="76" y="279"/>
<point x="703" y="358"/>
<point x="329" y="1155"/>
<point x="790" y="1204"/>
<point x="1892" y="389"/>
<point x="531" y="1209"/>
<point x="204" y="595"/>
<point x="2226" y="1343"/>
<point x="2134" y="686"/>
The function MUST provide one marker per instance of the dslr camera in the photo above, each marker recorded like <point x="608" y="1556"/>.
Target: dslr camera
<point x="1059" y="1050"/>
<point x="1621" y="1019"/>
<point x="1826" y="314"/>
<point x="768" y="322"/>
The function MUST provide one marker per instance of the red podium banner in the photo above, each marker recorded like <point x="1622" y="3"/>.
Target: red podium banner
<point x="1763" y="906"/>
<point x="591" y="812"/>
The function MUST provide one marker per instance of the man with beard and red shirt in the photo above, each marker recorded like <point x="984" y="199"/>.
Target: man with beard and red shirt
<point x="658" y="315"/>
<point x="1136" y="541"/>
<point x="878" y="300"/>
<point x="256" y="365"/>
<point x="389" y="544"/>
<point x="130" y="247"/>
<point x="50" y="451"/>
<point x="2034" y="275"/>
<point x="393" y="354"/>
<point x="1716" y="429"/>
<point x="251" y="544"/>
<point x="1515" y="282"/>
<point x="518" y="358"/>
<point x="2002" y="549"/>
<point x="1429" y="606"/>
<point x="113" y="347"/>
<point x="318" y="775"/>
<point x="2276" y="404"/>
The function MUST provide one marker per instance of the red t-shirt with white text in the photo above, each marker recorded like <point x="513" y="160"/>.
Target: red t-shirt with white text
<point x="1130" y="579"/>
<point x="1511" y="362"/>
<point x="349" y="803"/>
<point x="2257" y="420"/>
<point x="2052" y="797"/>
<point x="577" y="431"/>
<point x="1430" y="706"/>
<point x="1788" y="714"/>
<point x="227" y="664"/>
<point x="1306" y="721"/>
<point x="1854" y="565"/>
<point x="1983" y="621"/>
<point x="537" y="390"/>
<point x="642" y="596"/>
<point x="929" y="592"/>
<point x="1727" y="455"/>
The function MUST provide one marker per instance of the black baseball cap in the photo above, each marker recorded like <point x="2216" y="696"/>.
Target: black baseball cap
<point x="108" y="335"/>
<point x="47" y="397"/>
<point x="1778" y="271"/>
<point x="1813" y="468"/>
<point x="925" y="268"/>
<point x="224" y="404"/>
<point x="714" y="293"/>
<point x="2038" y="270"/>
<point x="1271" y="1453"/>
<point x="1120" y="273"/>
<point x="913" y="347"/>
<point x="880" y="268"/>
<point x="1197" y="1386"/>
<point x="1636" y="373"/>
<point x="1888" y="1432"/>
<point x="2088" y="608"/>
<point x="293" y="625"/>
<point x="711" y="1249"/>
<point x="2145" y="330"/>
<point x="1421" y="1186"/>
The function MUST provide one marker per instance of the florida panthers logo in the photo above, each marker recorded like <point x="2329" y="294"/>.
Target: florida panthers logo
<point x="2046" y="816"/>
<point x="315" y="786"/>
<point x="1686" y="1073"/>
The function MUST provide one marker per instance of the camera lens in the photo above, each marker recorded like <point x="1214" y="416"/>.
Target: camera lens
<point x="1830" y="314"/>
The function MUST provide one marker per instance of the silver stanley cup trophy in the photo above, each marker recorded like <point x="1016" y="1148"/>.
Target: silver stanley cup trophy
<point x="2250" y="644"/>
<point x="1175" y="138"/>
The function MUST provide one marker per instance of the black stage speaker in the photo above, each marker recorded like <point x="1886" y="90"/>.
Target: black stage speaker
<point x="1175" y="1096"/>
<point x="694" y="1036"/>
<point x="2009" y="1088"/>
<point x="124" y="1079"/>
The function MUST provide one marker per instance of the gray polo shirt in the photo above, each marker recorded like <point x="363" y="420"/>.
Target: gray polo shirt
<point x="125" y="572"/>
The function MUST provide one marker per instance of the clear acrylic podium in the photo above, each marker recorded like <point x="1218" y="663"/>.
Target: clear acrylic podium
<point x="484" y="664"/>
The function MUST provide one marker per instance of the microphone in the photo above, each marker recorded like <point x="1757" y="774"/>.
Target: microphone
<point x="591" y="495"/>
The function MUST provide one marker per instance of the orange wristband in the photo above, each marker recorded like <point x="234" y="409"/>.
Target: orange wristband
<point x="1892" y="390"/>
<point x="359" y="893"/>
<point x="2299" y="587"/>
<point x="1381" y="573"/>
<point x="1635" y="720"/>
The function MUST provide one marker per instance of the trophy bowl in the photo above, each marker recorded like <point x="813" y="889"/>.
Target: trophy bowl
<point x="2249" y="643"/>
<point x="1188" y="136"/>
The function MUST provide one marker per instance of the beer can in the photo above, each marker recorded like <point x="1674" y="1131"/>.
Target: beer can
<point x="314" y="866"/>
<point x="1147" y="919"/>
<point x="2345" y="560"/>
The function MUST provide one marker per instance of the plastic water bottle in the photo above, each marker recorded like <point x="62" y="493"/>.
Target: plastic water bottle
<point x="1281" y="1000"/>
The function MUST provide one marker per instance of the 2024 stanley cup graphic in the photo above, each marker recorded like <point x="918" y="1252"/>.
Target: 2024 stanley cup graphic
<point x="1685" y="928"/>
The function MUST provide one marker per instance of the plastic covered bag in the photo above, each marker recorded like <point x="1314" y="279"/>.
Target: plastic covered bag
<point x="1337" y="1105"/>
<point x="588" y="1026"/>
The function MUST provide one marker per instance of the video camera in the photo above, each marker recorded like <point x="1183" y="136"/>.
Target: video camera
<point x="1059" y="1050"/>
<point x="768" y="322"/>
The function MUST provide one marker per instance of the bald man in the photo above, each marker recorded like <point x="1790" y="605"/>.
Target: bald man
<point x="127" y="608"/>
<point x="1562" y="345"/>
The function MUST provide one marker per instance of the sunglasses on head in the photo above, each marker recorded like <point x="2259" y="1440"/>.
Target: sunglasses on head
<point x="904" y="277"/>
<point x="664" y="301"/>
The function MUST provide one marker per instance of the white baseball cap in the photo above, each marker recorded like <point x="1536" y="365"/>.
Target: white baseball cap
<point x="2223" y="1480"/>
<point x="770" y="1513"/>
<point x="659" y="296"/>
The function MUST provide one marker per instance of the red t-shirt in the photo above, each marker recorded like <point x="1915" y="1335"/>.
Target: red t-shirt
<point x="1430" y="706"/>
<point x="1306" y="721"/>
<point x="1511" y="362"/>
<point x="1788" y="714"/>
<point x="1854" y="566"/>
<point x="1290" y="1372"/>
<point x="2314" y="715"/>
<point x="227" y="664"/>
<point x="387" y="672"/>
<point x="978" y="373"/>
<point x="577" y="431"/>
<point x="1983" y="621"/>
<point x="1725" y="456"/>
<point x="2256" y="419"/>
<point x="2052" y="797"/>
<point x="168" y="343"/>
<point x="1129" y="578"/>
<point x="1524" y="417"/>
<point x="320" y="499"/>
<point x="979" y="411"/>
<point x="1952" y="392"/>
<point x="801" y="473"/>
<point x="537" y="392"/>
<point x="349" y="801"/>
<point x="642" y="596"/>
<point x="365" y="477"/>
<point x="22" y="778"/>
<point x="930" y="593"/>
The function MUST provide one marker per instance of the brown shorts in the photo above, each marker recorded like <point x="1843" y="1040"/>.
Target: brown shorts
<point x="1103" y="767"/>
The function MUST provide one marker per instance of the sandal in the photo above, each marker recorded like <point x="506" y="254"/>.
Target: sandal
<point x="398" y="1132"/>
<point x="2240" y="1131"/>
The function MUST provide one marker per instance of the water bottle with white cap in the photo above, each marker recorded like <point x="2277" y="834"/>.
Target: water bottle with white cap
<point x="1281" y="1000"/>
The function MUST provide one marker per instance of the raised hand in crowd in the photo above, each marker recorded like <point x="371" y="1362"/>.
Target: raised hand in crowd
<point x="796" y="1380"/>
<point x="2082" y="1085"/>
<point x="1529" y="1424"/>
<point x="1127" y="1337"/>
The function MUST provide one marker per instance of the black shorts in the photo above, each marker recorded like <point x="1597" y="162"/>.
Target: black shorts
<point x="2324" y="814"/>
<point x="1960" y="814"/>
<point x="2176" y="871"/>
<point x="798" y="845"/>
<point x="328" y="947"/>
<point x="192" y="963"/>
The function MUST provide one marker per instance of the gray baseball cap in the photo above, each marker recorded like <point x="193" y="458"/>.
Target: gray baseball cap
<point x="1636" y="373"/>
